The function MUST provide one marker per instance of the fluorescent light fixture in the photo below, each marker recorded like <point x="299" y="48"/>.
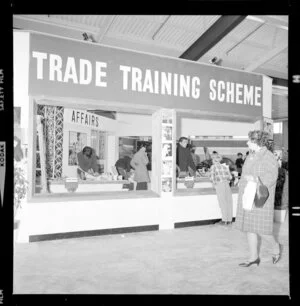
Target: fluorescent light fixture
<point x="240" y="137"/>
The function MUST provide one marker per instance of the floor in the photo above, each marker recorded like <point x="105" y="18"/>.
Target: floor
<point x="191" y="260"/>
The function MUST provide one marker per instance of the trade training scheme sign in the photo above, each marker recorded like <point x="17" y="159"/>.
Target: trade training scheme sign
<point x="68" y="68"/>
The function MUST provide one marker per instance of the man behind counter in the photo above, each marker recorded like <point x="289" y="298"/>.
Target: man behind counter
<point x="184" y="158"/>
<point x="87" y="162"/>
<point x="124" y="168"/>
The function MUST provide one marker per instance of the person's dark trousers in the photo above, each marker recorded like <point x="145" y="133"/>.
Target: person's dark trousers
<point x="142" y="186"/>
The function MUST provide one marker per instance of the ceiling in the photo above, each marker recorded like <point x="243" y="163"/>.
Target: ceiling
<point x="250" y="43"/>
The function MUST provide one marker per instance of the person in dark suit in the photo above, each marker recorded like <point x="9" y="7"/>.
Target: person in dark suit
<point x="239" y="162"/>
<point x="184" y="158"/>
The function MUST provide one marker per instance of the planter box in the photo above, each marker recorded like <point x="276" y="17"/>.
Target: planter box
<point x="279" y="215"/>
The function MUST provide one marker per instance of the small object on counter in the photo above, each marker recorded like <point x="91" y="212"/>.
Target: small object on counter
<point x="189" y="182"/>
<point x="71" y="184"/>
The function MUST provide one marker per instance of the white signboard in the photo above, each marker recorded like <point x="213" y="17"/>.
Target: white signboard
<point x="83" y="118"/>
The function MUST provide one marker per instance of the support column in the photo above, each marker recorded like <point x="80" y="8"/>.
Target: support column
<point x="112" y="147"/>
<point x="164" y="163"/>
<point x="285" y="135"/>
<point x="266" y="122"/>
<point x="31" y="165"/>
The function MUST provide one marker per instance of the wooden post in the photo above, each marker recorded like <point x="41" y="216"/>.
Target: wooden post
<point x="31" y="172"/>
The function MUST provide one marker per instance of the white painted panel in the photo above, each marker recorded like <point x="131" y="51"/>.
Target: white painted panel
<point x="196" y="208"/>
<point x="20" y="75"/>
<point x="58" y="217"/>
<point x="190" y="126"/>
<point x="267" y="97"/>
<point x="133" y="125"/>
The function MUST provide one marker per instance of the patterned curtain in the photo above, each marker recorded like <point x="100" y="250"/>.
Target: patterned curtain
<point x="53" y="117"/>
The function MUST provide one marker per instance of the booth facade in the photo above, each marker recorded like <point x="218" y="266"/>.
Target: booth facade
<point x="59" y="83"/>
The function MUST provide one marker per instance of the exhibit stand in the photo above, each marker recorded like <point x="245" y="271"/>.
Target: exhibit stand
<point x="69" y="83"/>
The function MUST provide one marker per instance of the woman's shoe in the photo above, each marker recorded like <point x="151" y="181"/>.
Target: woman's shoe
<point x="249" y="263"/>
<point x="277" y="257"/>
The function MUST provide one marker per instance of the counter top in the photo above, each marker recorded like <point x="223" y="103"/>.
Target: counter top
<point x="62" y="182"/>
<point x="92" y="196"/>
<point x="199" y="191"/>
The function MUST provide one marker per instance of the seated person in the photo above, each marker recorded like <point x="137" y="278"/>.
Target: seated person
<point x="87" y="162"/>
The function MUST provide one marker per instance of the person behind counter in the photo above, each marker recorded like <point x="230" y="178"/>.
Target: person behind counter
<point x="124" y="168"/>
<point x="258" y="221"/>
<point x="184" y="158"/>
<point x="87" y="162"/>
<point x="195" y="157"/>
<point x="220" y="176"/>
<point x="139" y="164"/>
<point x="239" y="163"/>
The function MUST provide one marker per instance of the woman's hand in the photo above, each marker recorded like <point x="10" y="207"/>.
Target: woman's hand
<point x="250" y="178"/>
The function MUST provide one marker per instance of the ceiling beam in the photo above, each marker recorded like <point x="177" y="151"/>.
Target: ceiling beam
<point x="280" y="82"/>
<point x="265" y="58"/>
<point x="212" y="36"/>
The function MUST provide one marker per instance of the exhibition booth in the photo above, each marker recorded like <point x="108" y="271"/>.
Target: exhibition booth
<point x="65" y="89"/>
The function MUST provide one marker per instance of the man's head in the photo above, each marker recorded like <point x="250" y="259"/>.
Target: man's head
<point x="183" y="141"/>
<point x="87" y="151"/>
<point x="240" y="155"/>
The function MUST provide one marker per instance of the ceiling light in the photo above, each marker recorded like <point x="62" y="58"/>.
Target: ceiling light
<point x="215" y="61"/>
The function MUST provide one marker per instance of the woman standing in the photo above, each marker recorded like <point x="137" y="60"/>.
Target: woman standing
<point x="220" y="176"/>
<point x="139" y="164"/>
<point x="258" y="221"/>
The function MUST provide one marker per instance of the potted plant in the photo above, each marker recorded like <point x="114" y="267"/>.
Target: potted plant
<point x="281" y="195"/>
<point x="20" y="187"/>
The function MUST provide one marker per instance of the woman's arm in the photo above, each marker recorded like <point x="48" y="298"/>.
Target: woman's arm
<point x="133" y="163"/>
<point x="212" y="174"/>
<point x="268" y="171"/>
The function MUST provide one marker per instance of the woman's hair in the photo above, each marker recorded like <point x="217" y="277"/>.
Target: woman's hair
<point x="259" y="137"/>
<point x="216" y="157"/>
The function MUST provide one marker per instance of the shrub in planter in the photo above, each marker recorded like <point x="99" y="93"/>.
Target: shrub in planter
<point x="20" y="186"/>
<point x="281" y="200"/>
<point x="279" y="189"/>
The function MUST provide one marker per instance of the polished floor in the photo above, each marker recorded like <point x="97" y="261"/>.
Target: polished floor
<point x="191" y="260"/>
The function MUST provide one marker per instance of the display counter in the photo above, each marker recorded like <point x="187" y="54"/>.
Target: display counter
<point x="199" y="182"/>
<point x="59" y="186"/>
<point x="200" y="191"/>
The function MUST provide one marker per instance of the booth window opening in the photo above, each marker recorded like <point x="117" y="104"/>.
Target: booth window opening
<point x="81" y="151"/>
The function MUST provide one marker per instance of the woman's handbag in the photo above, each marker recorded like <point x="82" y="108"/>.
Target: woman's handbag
<point x="262" y="194"/>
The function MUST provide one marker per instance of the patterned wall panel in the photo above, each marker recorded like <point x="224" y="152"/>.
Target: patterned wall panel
<point x="53" y="133"/>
